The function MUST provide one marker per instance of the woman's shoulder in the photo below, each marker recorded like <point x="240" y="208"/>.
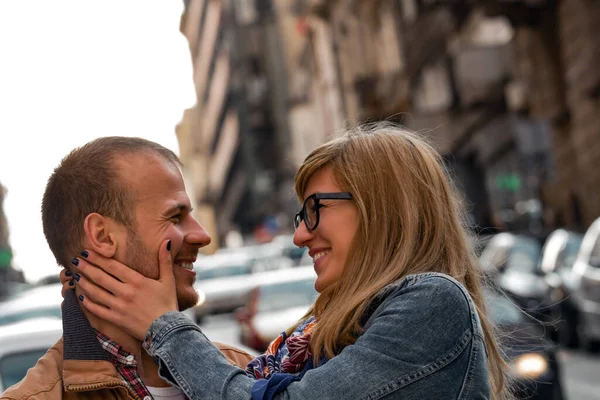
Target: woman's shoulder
<point x="429" y="284"/>
<point x="430" y="294"/>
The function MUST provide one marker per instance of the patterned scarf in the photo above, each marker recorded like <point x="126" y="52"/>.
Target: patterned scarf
<point x="285" y="354"/>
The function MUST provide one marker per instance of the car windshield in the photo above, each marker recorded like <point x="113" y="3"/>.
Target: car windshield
<point x="560" y="251"/>
<point x="501" y="310"/>
<point x="9" y="318"/>
<point x="223" y="271"/>
<point x="284" y="295"/>
<point x="521" y="254"/>
<point x="13" y="367"/>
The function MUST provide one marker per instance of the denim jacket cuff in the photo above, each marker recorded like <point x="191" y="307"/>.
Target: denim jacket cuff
<point x="162" y="327"/>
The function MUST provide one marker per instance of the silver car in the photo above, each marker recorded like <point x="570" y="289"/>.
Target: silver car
<point x="586" y="271"/>
<point x="224" y="280"/>
<point x="41" y="301"/>
<point x="279" y="300"/>
<point x="22" y="344"/>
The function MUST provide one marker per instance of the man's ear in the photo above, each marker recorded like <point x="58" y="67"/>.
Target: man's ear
<point x="101" y="234"/>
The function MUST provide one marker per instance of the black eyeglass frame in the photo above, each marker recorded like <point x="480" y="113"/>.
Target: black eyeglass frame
<point x="316" y="197"/>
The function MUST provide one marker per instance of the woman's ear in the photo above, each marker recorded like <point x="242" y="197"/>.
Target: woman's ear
<point x="101" y="234"/>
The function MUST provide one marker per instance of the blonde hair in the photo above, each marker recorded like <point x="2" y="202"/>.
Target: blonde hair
<point x="410" y="221"/>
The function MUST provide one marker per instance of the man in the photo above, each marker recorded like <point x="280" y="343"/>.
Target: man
<point x="123" y="198"/>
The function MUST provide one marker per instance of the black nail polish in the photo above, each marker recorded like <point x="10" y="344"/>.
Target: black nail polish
<point x="68" y="273"/>
<point x="81" y="297"/>
<point x="77" y="277"/>
<point x="84" y="254"/>
<point x="71" y="282"/>
<point x="169" y="245"/>
<point x="75" y="262"/>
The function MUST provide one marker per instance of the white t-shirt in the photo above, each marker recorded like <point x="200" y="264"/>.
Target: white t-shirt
<point x="166" y="393"/>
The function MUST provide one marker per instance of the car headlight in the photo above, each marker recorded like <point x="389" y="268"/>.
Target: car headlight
<point x="201" y="298"/>
<point x="530" y="365"/>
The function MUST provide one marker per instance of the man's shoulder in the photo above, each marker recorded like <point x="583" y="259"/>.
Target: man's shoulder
<point x="234" y="355"/>
<point x="43" y="380"/>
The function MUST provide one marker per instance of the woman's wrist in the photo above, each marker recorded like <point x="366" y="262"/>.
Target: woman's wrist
<point x="161" y="328"/>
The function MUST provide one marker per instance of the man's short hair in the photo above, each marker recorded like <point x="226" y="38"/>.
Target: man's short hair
<point x="88" y="181"/>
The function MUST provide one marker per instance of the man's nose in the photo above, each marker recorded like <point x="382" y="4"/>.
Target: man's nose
<point x="197" y="235"/>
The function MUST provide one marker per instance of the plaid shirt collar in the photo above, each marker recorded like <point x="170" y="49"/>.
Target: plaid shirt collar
<point x="125" y="364"/>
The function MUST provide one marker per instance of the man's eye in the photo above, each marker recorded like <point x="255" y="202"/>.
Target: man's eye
<point x="176" y="218"/>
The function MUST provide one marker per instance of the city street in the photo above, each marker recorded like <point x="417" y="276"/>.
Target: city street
<point x="581" y="372"/>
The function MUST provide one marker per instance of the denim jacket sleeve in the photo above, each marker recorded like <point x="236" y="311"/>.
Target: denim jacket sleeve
<point x="423" y="340"/>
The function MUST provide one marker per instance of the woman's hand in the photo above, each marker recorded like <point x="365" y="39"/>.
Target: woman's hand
<point x="116" y="293"/>
<point x="68" y="283"/>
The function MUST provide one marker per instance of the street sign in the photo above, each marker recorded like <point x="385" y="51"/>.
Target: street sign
<point x="5" y="258"/>
<point x="508" y="182"/>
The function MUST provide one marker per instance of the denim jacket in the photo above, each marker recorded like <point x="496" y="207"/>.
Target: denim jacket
<point x="422" y="340"/>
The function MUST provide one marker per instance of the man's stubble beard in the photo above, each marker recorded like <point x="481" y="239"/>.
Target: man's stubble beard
<point x="142" y="260"/>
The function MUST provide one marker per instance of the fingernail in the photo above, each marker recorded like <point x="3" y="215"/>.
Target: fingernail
<point x="81" y="297"/>
<point x="75" y="262"/>
<point x="84" y="254"/>
<point x="169" y="245"/>
<point x="71" y="282"/>
<point x="77" y="277"/>
<point x="68" y="273"/>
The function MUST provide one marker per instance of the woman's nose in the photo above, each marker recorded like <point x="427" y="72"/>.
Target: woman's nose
<point x="301" y="235"/>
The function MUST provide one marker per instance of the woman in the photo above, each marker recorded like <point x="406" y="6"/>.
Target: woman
<point x="400" y="312"/>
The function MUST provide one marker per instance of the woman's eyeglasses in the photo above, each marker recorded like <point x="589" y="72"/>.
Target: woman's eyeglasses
<point x="310" y="209"/>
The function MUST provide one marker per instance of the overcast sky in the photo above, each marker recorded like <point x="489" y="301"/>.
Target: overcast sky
<point x="71" y="71"/>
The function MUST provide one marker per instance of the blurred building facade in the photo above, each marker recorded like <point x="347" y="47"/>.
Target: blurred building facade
<point x="508" y="91"/>
<point x="259" y="111"/>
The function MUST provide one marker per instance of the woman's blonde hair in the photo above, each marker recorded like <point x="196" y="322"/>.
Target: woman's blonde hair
<point x="410" y="221"/>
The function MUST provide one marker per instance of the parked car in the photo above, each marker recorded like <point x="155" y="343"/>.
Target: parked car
<point x="558" y="257"/>
<point x="42" y="301"/>
<point x="263" y="257"/>
<point x="289" y="249"/>
<point x="279" y="300"/>
<point x="535" y="368"/>
<point x="22" y="344"/>
<point x="511" y="261"/>
<point x="586" y="271"/>
<point x="224" y="280"/>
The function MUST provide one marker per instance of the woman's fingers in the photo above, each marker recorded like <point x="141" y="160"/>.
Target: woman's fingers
<point x="98" y="275"/>
<point x="120" y="271"/>
<point x="97" y="294"/>
<point x="66" y="278"/>
<point x="165" y="264"/>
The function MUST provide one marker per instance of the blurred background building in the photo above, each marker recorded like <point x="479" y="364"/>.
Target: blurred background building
<point x="508" y="91"/>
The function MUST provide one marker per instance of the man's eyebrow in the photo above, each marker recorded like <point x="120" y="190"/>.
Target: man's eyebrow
<point x="178" y="208"/>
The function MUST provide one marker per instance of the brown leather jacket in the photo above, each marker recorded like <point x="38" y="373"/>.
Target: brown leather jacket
<point x="77" y="367"/>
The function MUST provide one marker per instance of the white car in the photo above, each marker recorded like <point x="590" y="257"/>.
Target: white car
<point x="279" y="300"/>
<point x="40" y="301"/>
<point x="224" y="280"/>
<point x="586" y="271"/>
<point x="22" y="344"/>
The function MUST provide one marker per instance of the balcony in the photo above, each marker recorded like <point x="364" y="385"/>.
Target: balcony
<point x="384" y="94"/>
<point x="480" y="73"/>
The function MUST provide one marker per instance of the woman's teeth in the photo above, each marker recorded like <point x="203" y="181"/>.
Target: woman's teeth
<point x="319" y="255"/>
